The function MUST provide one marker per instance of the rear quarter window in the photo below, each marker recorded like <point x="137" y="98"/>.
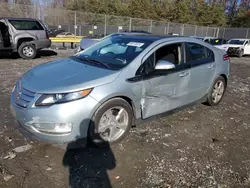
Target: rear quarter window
<point x="26" y="25"/>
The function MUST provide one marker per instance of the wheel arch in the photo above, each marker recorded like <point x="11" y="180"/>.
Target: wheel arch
<point x="126" y="98"/>
<point x="24" y="39"/>
<point x="225" y="78"/>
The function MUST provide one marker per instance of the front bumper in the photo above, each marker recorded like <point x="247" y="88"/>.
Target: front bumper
<point x="78" y="113"/>
<point x="234" y="51"/>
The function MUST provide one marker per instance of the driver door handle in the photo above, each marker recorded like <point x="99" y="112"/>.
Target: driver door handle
<point x="184" y="74"/>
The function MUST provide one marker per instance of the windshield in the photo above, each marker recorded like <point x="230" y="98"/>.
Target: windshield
<point x="115" y="52"/>
<point x="216" y="41"/>
<point x="240" y="42"/>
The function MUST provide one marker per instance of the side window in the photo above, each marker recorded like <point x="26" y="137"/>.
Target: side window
<point x="26" y="25"/>
<point x="198" y="53"/>
<point x="224" y="42"/>
<point x="171" y="53"/>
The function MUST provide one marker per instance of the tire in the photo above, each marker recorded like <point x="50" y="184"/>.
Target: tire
<point x="211" y="97"/>
<point x="97" y="138"/>
<point x="29" y="53"/>
<point x="241" y="53"/>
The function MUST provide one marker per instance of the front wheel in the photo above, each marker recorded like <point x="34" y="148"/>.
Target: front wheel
<point x="217" y="92"/>
<point x="27" y="50"/>
<point x="111" y="122"/>
<point x="241" y="53"/>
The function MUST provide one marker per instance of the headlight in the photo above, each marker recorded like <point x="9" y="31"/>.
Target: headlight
<point x="49" y="99"/>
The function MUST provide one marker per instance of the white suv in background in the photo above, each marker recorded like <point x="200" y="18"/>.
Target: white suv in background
<point x="238" y="47"/>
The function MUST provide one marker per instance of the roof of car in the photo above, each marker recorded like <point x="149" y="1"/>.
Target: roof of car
<point x="12" y="18"/>
<point x="151" y="38"/>
<point x="218" y="38"/>
<point x="239" y="39"/>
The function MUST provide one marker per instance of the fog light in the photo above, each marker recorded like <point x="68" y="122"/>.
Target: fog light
<point x="55" y="128"/>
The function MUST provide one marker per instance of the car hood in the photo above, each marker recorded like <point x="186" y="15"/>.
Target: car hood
<point x="235" y="45"/>
<point x="66" y="75"/>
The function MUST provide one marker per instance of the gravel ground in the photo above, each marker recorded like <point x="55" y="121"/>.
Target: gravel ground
<point x="206" y="147"/>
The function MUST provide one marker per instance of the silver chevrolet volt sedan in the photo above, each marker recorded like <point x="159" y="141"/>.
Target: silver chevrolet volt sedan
<point x="121" y="81"/>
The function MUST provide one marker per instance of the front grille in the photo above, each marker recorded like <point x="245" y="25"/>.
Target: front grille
<point x="23" y="96"/>
<point x="232" y="49"/>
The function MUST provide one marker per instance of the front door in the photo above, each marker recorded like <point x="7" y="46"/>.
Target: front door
<point x="247" y="48"/>
<point x="202" y="70"/>
<point x="164" y="90"/>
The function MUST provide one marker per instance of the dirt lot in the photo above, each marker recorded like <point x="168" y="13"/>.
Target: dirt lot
<point x="199" y="147"/>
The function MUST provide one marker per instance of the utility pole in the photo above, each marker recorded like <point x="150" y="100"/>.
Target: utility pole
<point x="75" y="23"/>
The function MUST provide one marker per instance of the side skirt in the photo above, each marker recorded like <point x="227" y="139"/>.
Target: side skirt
<point x="140" y="121"/>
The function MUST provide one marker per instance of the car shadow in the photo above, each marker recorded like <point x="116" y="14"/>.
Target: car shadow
<point x="46" y="53"/>
<point x="88" y="165"/>
<point x="9" y="55"/>
<point x="40" y="53"/>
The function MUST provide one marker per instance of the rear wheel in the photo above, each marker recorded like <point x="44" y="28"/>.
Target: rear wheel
<point x="27" y="50"/>
<point x="217" y="92"/>
<point x="111" y="122"/>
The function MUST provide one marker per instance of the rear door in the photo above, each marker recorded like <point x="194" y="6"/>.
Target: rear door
<point x="202" y="71"/>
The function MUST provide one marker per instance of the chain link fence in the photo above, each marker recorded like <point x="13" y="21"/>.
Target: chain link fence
<point x="84" y="24"/>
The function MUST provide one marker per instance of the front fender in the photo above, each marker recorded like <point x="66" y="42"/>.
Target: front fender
<point x="129" y="91"/>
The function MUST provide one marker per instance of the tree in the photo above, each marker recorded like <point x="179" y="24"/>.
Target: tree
<point x="181" y="12"/>
<point x="142" y="9"/>
<point x="242" y="19"/>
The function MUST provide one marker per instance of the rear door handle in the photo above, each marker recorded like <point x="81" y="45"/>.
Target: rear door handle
<point x="184" y="74"/>
<point x="211" y="66"/>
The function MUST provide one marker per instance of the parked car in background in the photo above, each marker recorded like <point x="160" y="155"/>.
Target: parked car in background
<point x="216" y="42"/>
<point x="238" y="47"/>
<point x="23" y="35"/>
<point x="208" y="39"/>
<point x="219" y="43"/>
<point x="65" y="35"/>
<point x="119" y="82"/>
<point x="205" y="39"/>
<point x="87" y="42"/>
<point x="55" y="32"/>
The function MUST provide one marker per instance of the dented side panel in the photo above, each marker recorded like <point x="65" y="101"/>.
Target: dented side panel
<point x="164" y="93"/>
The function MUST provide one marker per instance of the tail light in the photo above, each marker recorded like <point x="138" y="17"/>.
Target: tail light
<point x="226" y="57"/>
<point x="47" y="35"/>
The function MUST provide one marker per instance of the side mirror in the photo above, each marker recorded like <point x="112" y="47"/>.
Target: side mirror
<point x="164" y="65"/>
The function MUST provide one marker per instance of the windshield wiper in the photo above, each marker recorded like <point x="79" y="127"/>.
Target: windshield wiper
<point x="94" y="61"/>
